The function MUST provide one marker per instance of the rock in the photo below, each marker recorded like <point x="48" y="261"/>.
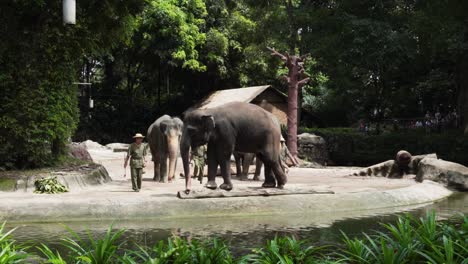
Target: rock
<point x="392" y="169"/>
<point x="450" y="173"/>
<point x="416" y="159"/>
<point x="308" y="164"/>
<point x="117" y="147"/>
<point x="312" y="148"/>
<point x="92" y="144"/>
<point x="73" y="180"/>
<point x="79" y="151"/>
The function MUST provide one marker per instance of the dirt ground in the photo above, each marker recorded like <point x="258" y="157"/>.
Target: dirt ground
<point x="116" y="199"/>
<point x="337" y="178"/>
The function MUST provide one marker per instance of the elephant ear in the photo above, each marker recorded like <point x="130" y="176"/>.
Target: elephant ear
<point x="179" y="124"/>
<point x="163" y="127"/>
<point x="208" y="122"/>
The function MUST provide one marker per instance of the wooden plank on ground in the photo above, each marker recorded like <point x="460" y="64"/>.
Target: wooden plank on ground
<point x="253" y="191"/>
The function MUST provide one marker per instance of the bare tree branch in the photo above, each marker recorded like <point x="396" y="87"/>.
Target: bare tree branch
<point x="276" y="53"/>
<point x="303" y="81"/>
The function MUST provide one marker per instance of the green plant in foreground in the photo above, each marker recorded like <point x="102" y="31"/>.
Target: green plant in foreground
<point x="9" y="252"/>
<point x="52" y="258"/>
<point x="284" y="250"/>
<point x="177" y="250"/>
<point x="49" y="185"/>
<point x="409" y="240"/>
<point x="95" y="251"/>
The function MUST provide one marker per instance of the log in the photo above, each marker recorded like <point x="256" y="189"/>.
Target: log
<point x="253" y="191"/>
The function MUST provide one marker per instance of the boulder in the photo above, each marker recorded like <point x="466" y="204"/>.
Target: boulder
<point x="450" y="173"/>
<point x="117" y="147"/>
<point x="92" y="144"/>
<point x="312" y="148"/>
<point x="392" y="169"/>
<point x="79" y="151"/>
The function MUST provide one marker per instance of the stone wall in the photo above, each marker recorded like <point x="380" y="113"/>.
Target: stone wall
<point x="312" y="148"/>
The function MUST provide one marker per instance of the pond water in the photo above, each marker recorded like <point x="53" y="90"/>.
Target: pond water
<point x="242" y="233"/>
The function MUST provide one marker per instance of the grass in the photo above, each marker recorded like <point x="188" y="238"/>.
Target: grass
<point x="409" y="240"/>
<point x="7" y="184"/>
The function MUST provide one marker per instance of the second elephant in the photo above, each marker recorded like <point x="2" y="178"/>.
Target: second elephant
<point x="164" y="139"/>
<point x="243" y="162"/>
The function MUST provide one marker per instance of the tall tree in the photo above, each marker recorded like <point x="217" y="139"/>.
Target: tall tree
<point x="296" y="80"/>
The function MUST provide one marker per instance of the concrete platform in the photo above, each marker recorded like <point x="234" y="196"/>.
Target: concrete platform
<point x="158" y="200"/>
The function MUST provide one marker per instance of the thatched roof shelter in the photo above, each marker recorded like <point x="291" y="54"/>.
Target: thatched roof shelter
<point x="270" y="98"/>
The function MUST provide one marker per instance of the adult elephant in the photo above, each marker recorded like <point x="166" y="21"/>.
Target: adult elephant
<point x="233" y="127"/>
<point x="164" y="139"/>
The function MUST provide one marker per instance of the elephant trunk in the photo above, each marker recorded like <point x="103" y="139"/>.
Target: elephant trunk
<point x="172" y="147"/>
<point x="184" y="153"/>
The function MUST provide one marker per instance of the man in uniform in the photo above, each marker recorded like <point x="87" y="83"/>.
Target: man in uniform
<point x="137" y="154"/>
<point x="198" y="155"/>
<point x="284" y="155"/>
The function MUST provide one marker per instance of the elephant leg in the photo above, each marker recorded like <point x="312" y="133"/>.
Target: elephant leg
<point x="238" y="164"/>
<point x="258" y="169"/>
<point x="157" y="167"/>
<point x="226" y="172"/>
<point x="270" y="181"/>
<point x="163" y="169"/>
<point x="212" y="168"/>
<point x="248" y="157"/>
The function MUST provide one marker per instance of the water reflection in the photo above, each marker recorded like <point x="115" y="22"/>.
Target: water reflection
<point x="242" y="233"/>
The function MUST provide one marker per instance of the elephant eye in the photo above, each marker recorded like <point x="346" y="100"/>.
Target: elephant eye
<point x="191" y="130"/>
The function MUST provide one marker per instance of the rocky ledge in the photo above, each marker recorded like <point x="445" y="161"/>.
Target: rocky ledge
<point x="73" y="178"/>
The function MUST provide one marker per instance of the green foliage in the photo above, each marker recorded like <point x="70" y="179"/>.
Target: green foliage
<point x="175" y="27"/>
<point x="145" y="58"/>
<point x="178" y="250"/>
<point x="51" y="256"/>
<point x="285" y="250"/>
<point x="347" y="146"/>
<point x="410" y="240"/>
<point x="49" y="185"/>
<point x="9" y="251"/>
<point x="7" y="184"/>
<point x="95" y="250"/>
<point x="40" y="58"/>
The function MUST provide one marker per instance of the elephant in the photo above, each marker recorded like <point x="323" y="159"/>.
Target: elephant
<point x="164" y="139"/>
<point x="243" y="162"/>
<point x="235" y="126"/>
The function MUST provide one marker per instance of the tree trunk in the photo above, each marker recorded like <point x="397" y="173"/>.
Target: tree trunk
<point x="295" y="65"/>
<point x="292" y="116"/>
<point x="246" y="192"/>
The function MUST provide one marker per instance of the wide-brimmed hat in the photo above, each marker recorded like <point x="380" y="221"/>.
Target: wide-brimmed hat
<point x="138" y="135"/>
<point x="282" y="139"/>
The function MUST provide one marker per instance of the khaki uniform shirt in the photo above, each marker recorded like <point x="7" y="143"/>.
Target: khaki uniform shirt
<point x="136" y="154"/>
<point x="284" y="153"/>
<point x="199" y="156"/>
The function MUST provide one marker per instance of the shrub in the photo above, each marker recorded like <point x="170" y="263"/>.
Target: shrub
<point x="347" y="146"/>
